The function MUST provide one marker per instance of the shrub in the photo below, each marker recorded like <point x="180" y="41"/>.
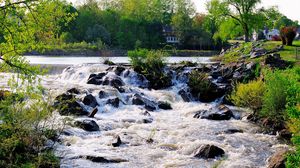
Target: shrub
<point x="288" y="35"/>
<point x="151" y="64"/>
<point x="203" y="88"/>
<point x="249" y="95"/>
<point x="23" y="132"/>
<point x="275" y="97"/>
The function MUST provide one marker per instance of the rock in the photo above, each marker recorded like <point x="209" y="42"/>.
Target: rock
<point x="120" y="89"/>
<point x="208" y="151"/>
<point x="117" y="142"/>
<point x="87" y="125"/>
<point x="140" y="100"/>
<point x="90" y="100"/>
<point x="96" y="79"/>
<point x="275" y="61"/>
<point x="184" y="95"/>
<point x="147" y="120"/>
<point x="118" y="70"/>
<point x="258" y="52"/>
<point x="114" y="81"/>
<point x="66" y="104"/>
<point x="73" y="91"/>
<point x="150" y="107"/>
<point x="221" y="113"/>
<point x="102" y="94"/>
<point x="233" y="131"/>
<point x="164" y="105"/>
<point x="285" y="134"/>
<point x="114" y="102"/>
<point x="100" y="159"/>
<point x="278" y="159"/>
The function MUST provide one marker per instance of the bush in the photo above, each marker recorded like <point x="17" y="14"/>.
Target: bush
<point x="288" y="35"/>
<point x="275" y="97"/>
<point x="249" y="95"/>
<point x="151" y="64"/>
<point x="23" y="132"/>
<point x="202" y="88"/>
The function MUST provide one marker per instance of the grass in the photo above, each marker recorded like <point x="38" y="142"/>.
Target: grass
<point x="288" y="53"/>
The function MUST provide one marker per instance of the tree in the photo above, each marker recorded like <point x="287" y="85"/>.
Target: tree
<point x="182" y="19"/>
<point x="27" y="25"/>
<point x="243" y="13"/>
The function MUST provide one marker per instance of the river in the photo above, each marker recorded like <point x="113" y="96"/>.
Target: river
<point x="175" y="134"/>
<point x="70" y="60"/>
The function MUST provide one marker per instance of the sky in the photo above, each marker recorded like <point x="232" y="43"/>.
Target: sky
<point x="290" y="8"/>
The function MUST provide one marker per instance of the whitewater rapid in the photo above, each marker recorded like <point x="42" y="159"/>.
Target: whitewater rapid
<point x="176" y="134"/>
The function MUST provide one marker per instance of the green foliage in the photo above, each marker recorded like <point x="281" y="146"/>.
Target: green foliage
<point x="199" y="83"/>
<point x="151" y="64"/>
<point x="249" y="95"/>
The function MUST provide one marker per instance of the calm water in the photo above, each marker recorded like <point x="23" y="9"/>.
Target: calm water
<point x="50" y="60"/>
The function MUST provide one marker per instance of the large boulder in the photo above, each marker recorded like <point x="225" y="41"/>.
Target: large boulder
<point x="87" y="125"/>
<point x="118" y="70"/>
<point x="222" y="112"/>
<point x="275" y="61"/>
<point x="164" y="105"/>
<point x="67" y="104"/>
<point x="113" y="80"/>
<point x="278" y="159"/>
<point x="208" y="151"/>
<point x="184" y="95"/>
<point x="141" y="100"/>
<point x="96" y="79"/>
<point x="90" y="100"/>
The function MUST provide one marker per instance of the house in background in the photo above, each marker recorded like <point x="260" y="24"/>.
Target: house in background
<point x="274" y="34"/>
<point x="170" y="35"/>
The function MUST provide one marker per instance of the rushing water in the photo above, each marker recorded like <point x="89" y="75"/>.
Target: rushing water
<point x="175" y="133"/>
<point x="80" y="60"/>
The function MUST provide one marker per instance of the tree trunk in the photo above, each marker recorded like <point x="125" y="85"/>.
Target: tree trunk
<point x="246" y="32"/>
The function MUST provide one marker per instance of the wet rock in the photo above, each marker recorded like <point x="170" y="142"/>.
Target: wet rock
<point x="150" y="107"/>
<point x="87" y="125"/>
<point x="100" y="159"/>
<point x="118" y="70"/>
<point x="114" y="102"/>
<point x="221" y="113"/>
<point x="120" y="89"/>
<point x="73" y="91"/>
<point x="96" y="79"/>
<point x="278" y="159"/>
<point x="147" y="120"/>
<point x="208" y="151"/>
<point x="233" y="131"/>
<point x="114" y="81"/>
<point x="117" y="142"/>
<point x="184" y="95"/>
<point x="164" y="105"/>
<point x="102" y="94"/>
<point x="285" y="134"/>
<point x="66" y="104"/>
<point x="90" y="100"/>
<point x="140" y="100"/>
